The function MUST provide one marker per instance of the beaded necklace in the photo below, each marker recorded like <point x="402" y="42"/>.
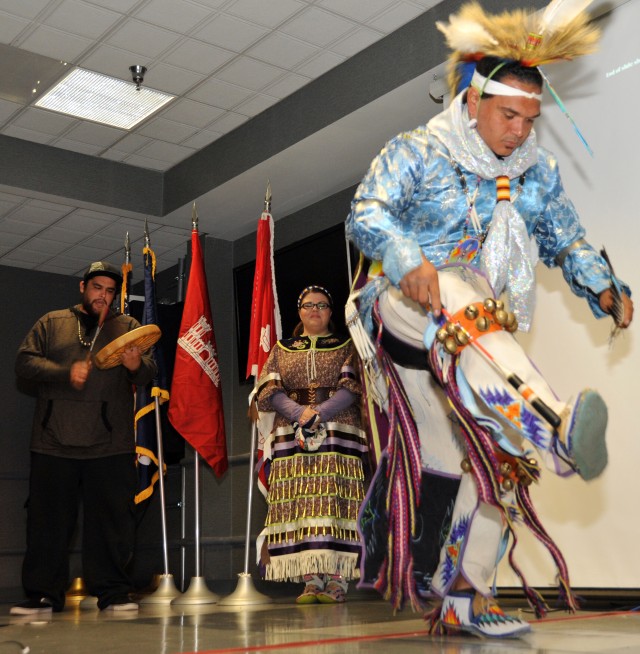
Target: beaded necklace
<point x="82" y="341"/>
<point x="469" y="245"/>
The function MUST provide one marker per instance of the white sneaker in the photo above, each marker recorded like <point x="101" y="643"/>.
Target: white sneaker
<point x="123" y="606"/>
<point x="457" y="614"/>
<point x="41" y="606"/>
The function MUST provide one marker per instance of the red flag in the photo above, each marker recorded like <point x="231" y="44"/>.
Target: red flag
<point x="265" y="313"/>
<point x="195" y="408"/>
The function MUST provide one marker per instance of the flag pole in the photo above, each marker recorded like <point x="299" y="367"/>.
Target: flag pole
<point x="197" y="593"/>
<point x="245" y="592"/>
<point x="167" y="589"/>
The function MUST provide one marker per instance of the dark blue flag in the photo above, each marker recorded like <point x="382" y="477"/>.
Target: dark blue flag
<point x="145" y="419"/>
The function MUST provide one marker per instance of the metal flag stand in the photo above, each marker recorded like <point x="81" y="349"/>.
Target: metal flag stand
<point x="245" y="592"/>
<point x="198" y="593"/>
<point x="167" y="589"/>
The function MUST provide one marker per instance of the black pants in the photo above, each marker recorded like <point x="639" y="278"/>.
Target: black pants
<point x="106" y="487"/>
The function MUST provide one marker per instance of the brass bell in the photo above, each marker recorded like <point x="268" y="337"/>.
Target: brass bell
<point x="499" y="305"/>
<point x="505" y="468"/>
<point x="501" y="317"/>
<point x="451" y="328"/>
<point x="450" y="345"/>
<point x="512" y="322"/>
<point x="533" y="463"/>
<point x="489" y="305"/>
<point x="441" y="334"/>
<point x="524" y="479"/>
<point x="465" y="464"/>
<point x="471" y="312"/>
<point x="507" y="484"/>
<point x="462" y="337"/>
<point x="482" y="323"/>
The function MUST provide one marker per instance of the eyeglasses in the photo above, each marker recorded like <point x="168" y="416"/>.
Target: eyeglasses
<point x="321" y="306"/>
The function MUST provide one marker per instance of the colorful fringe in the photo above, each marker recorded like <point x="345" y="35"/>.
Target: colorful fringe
<point x="396" y="581"/>
<point x="485" y="466"/>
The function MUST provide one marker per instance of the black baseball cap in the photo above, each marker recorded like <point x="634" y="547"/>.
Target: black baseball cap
<point x="103" y="268"/>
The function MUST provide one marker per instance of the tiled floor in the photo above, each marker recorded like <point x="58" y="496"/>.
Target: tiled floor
<point x="364" y="624"/>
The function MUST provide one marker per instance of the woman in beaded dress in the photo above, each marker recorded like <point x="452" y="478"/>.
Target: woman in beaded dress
<point x="315" y="453"/>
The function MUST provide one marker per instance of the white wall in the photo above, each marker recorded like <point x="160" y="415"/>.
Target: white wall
<point x="596" y="524"/>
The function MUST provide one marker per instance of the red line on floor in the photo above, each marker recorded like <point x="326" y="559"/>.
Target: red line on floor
<point x="312" y="643"/>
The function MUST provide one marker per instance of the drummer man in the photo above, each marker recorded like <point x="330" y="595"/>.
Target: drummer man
<point x="82" y="448"/>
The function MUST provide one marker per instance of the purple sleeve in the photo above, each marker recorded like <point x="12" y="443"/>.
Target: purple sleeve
<point x="286" y="407"/>
<point x="342" y="398"/>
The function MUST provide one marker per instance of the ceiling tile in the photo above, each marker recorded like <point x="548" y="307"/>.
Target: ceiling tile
<point x="8" y="202"/>
<point x="358" y="10"/>
<point x="114" y="61"/>
<point x="82" y="19"/>
<point x="168" y="152"/>
<point x="287" y="85"/>
<point x="27" y="134"/>
<point x="220" y="94"/>
<point x="198" y="56"/>
<point x="202" y="139"/>
<point x="228" y="122"/>
<point x="360" y="39"/>
<point x="14" y="225"/>
<point x="318" y="26"/>
<point x="171" y="79"/>
<point x="77" y="146"/>
<point x="114" y="155"/>
<point x="60" y="234"/>
<point x="10" y="27"/>
<point x="118" y="229"/>
<point x="40" y="244"/>
<point x="84" y="253"/>
<point x="320" y="64"/>
<point x="249" y="73"/>
<point x="193" y="113"/>
<point x="10" y="239"/>
<point x="25" y="8"/>
<point x="166" y="130"/>
<point x="7" y="109"/>
<point x="94" y="134"/>
<point x="108" y="243"/>
<point x="65" y="265"/>
<point x="55" y="43"/>
<point x="397" y="16"/>
<point x="142" y="38"/>
<point x="131" y="143"/>
<point x="256" y="104"/>
<point x="213" y="4"/>
<point x="47" y="122"/>
<point x="83" y="221"/>
<point x="282" y="50"/>
<point x="122" y="6"/>
<point x="270" y="13"/>
<point x="176" y="15"/>
<point x="230" y="33"/>
<point x="24" y="259"/>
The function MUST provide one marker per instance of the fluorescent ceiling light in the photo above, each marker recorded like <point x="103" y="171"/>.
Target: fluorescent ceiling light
<point x="102" y="99"/>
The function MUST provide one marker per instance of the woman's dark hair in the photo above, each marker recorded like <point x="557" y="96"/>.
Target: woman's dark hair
<point x="525" y="74"/>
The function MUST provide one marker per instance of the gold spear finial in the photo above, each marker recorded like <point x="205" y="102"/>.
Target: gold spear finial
<point x="267" y="197"/>
<point x="127" y="248"/>
<point x="194" y="217"/>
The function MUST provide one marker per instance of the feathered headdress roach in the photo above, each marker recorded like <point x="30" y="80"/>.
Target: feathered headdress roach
<point x="561" y="32"/>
